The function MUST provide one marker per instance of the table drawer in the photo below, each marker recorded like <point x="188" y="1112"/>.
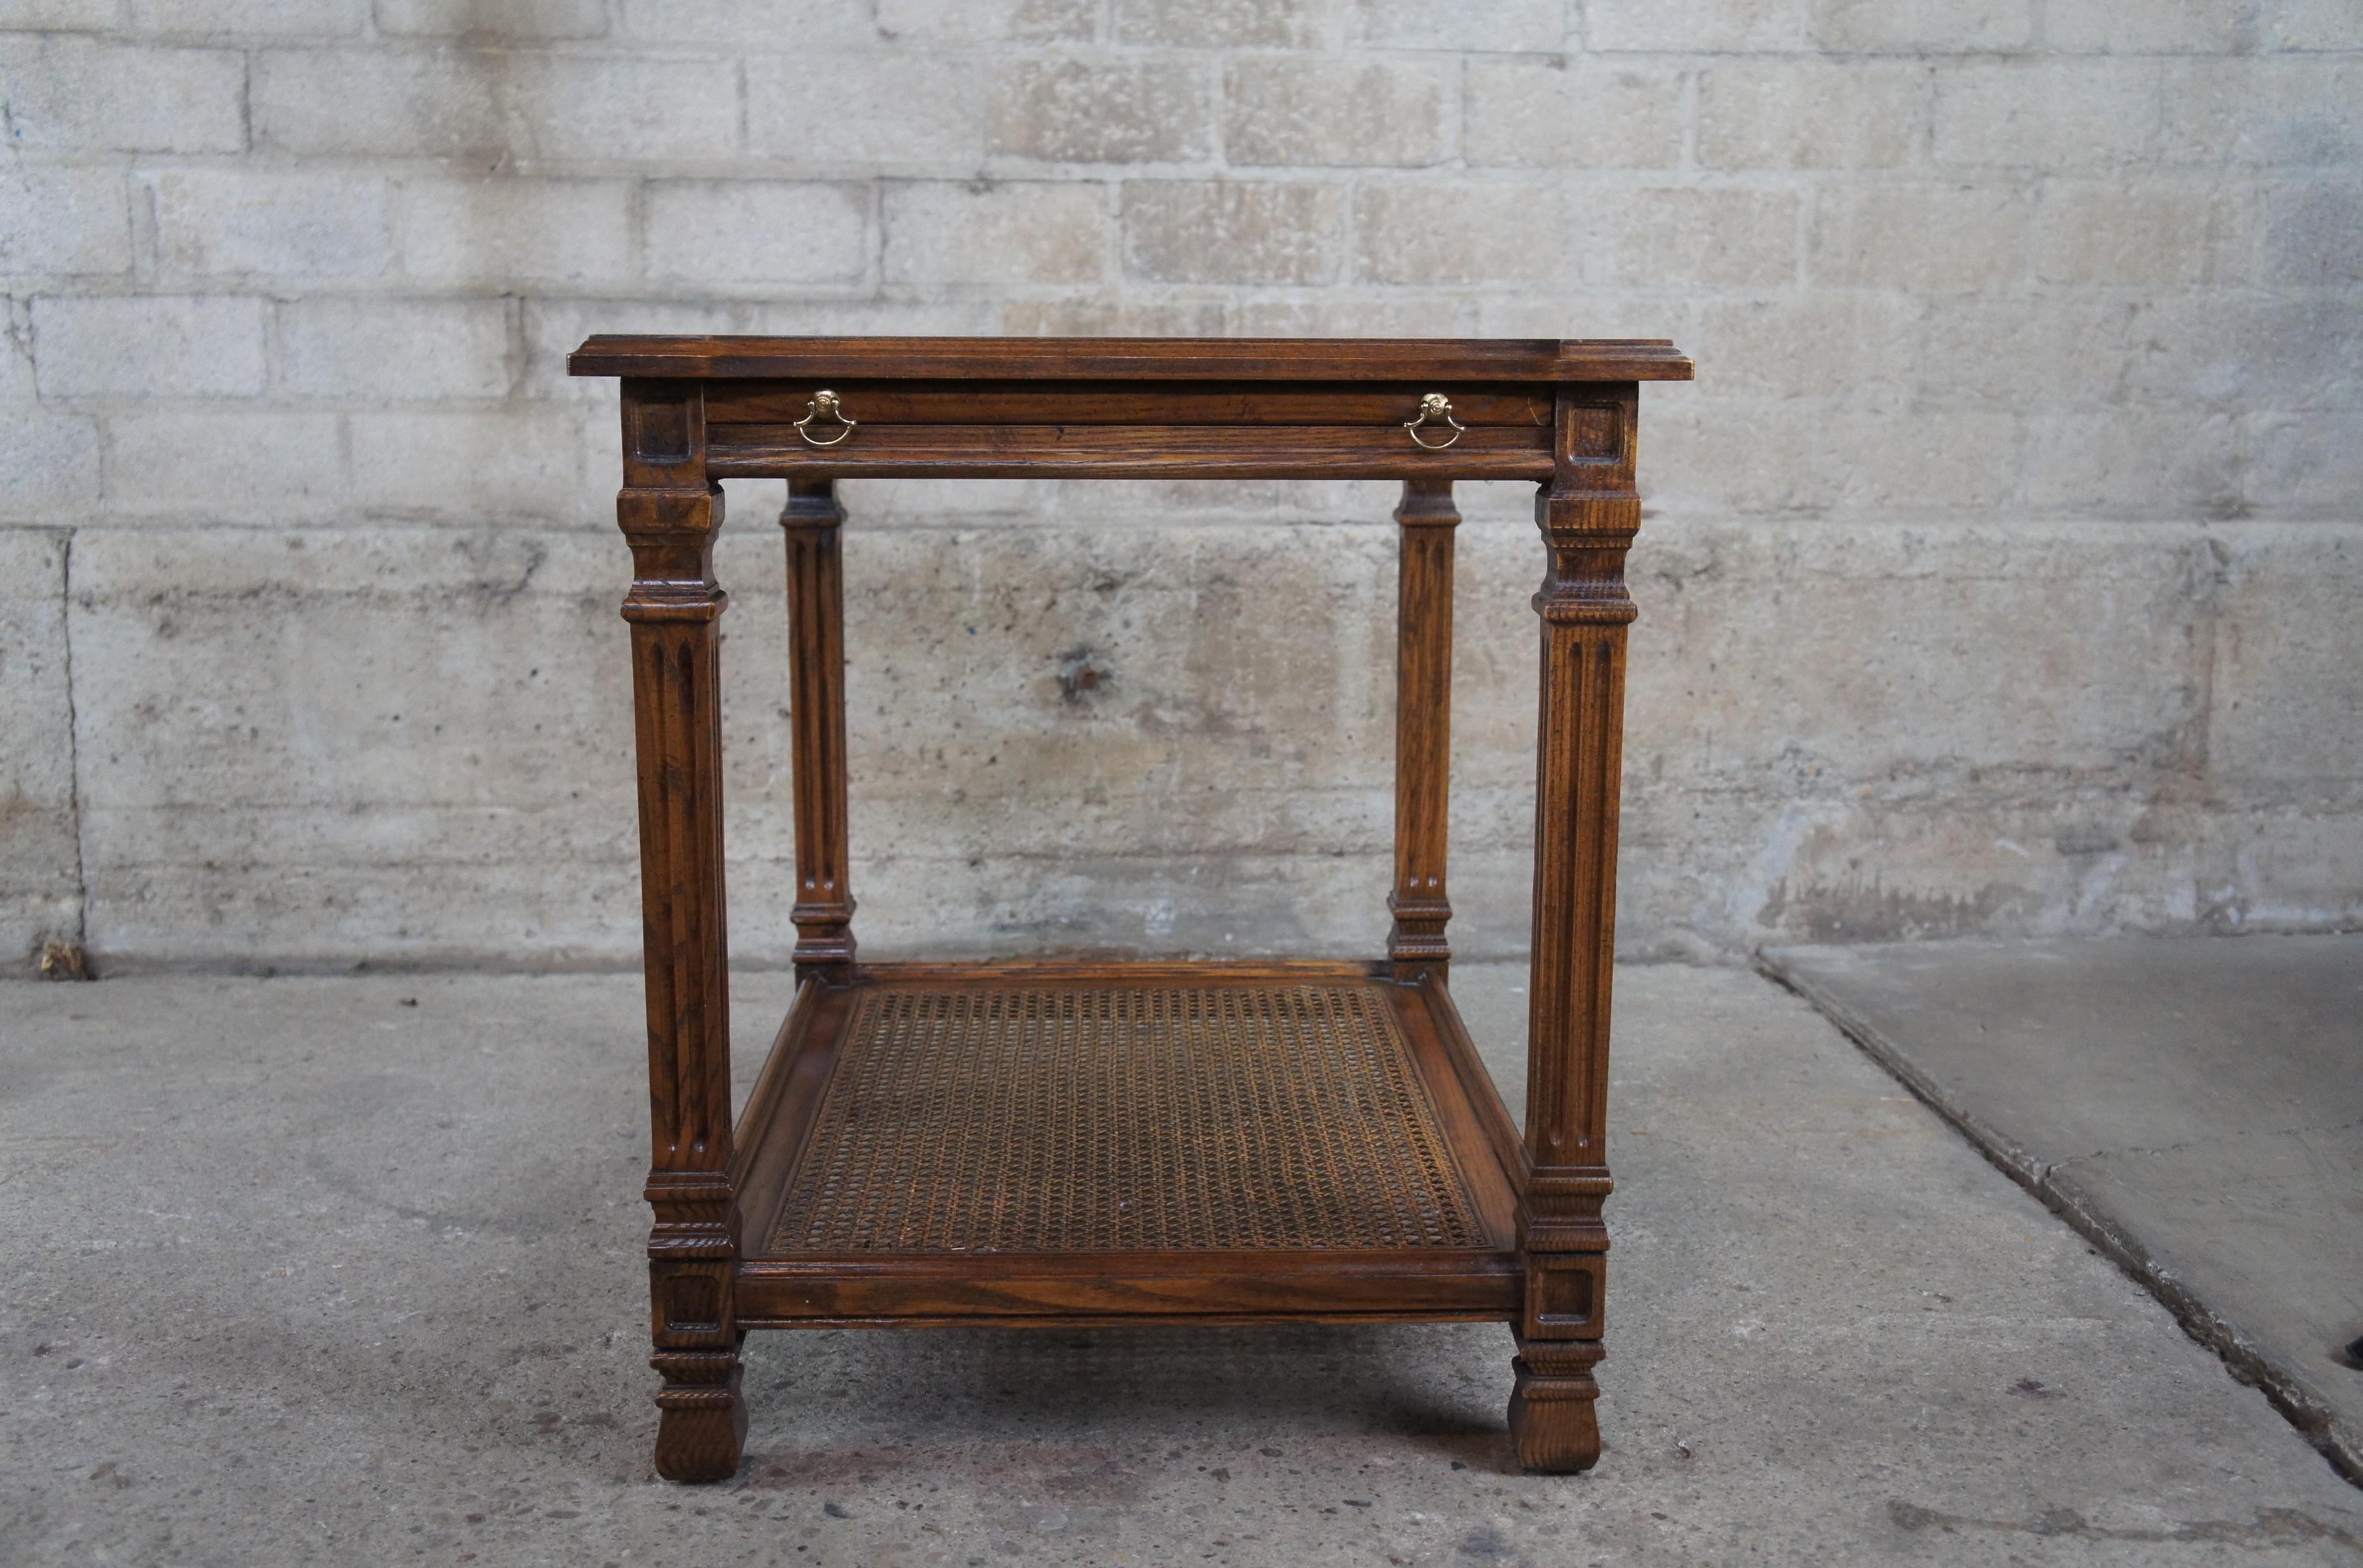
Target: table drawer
<point x="1099" y="403"/>
<point x="1082" y="429"/>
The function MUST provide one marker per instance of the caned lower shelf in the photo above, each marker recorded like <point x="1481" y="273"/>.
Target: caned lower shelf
<point x="1147" y="1142"/>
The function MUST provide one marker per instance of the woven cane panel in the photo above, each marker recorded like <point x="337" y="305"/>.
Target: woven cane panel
<point x="1048" y="1119"/>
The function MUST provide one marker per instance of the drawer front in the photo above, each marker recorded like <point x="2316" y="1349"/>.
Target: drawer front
<point x="1023" y="429"/>
<point x="1098" y="402"/>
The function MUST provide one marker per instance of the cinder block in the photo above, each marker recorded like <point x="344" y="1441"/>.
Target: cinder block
<point x="1575" y="113"/>
<point x="16" y="385"/>
<point x="1448" y="313"/>
<point x="2330" y="25"/>
<point x="484" y="103"/>
<point x="1868" y="660"/>
<point x="1228" y="637"/>
<point x="1465" y="232"/>
<point x="346" y="102"/>
<point x="924" y="310"/>
<point x="810" y="24"/>
<point x="608" y="108"/>
<point x="394" y="350"/>
<point x="1810" y="114"/>
<point x="2062" y="349"/>
<point x="2046" y="113"/>
<point x="876" y="110"/>
<point x="1697" y="27"/>
<point x="1007" y="233"/>
<point x="368" y="815"/>
<point x="768" y="232"/>
<point x="1921" y="461"/>
<point x="40" y="880"/>
<point x="2243" y="352"/>
<point x="1227" y="231"/>
<point x="1328" y="111"/>
<point x="1578" y="310"/>
<point x="523" y="464"/>
<point x="1827" y="344"/>
<point x="1887" y="235"/>
<point x="235" y="222"/>
<point x="61" y="16"/>
<point x="52" y="474"/>
<point x="2277" y="865"/>
<point x="2149" y="27"/>
<point x="158" y="346"/>
<point x="2116" y="232"/>
<point x="1695" y="234"/>
<point x="1802" y="789"/>
<point x="1073" y="111"/>
<point x="1799" y="458"/>
<point x="500" y="229"/>
<point x="1222" y="24"/>
<point x="554" y="328"/>
<point x="493" y="19"/>
<point x="2290" y="111"/>
<point x="1124" y="316"/>
<point x="254" y="465"/>
<point x="210" y="19"/>
<point x="73" y="95"/>
<point x="2306" y="464"/>
<point x="63" y="220"/>
<point x="2309" y="233"/>
<point x="2129" y="462"/>
<point x="2280" y="709"/>
<point x="1923" y="26"/>
<point x="988" y="21"/>
<point x="1498" y="25"/>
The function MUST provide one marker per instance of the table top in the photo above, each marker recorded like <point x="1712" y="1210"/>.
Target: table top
<point x="1499" y="359"/>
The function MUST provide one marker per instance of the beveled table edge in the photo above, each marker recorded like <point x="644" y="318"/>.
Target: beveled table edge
<point x="1135" y="358"/>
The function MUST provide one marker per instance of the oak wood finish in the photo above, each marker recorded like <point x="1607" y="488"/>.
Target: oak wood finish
<point x="668" y="513"/>
<point x="1426" y="521"/>
<point x="824" y="908"/>
<point x="1349" y="360"/>
<point x="1528" y="1249"/>
<point x="1374" y="406"/>
<point x="1128" y="452"/>
<point x="1588" y="514"/>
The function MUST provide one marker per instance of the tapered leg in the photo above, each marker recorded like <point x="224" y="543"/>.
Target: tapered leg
<point x="669" y="513"/>
<point x="1588" y="514"/>
<point x="824" y="907"/>
<point x="1426" y="519"/>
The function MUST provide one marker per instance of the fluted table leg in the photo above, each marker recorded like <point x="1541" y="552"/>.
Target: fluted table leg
<point x="824" y="908"/>
<point x="1426" y="521"/>
<point x="1588" y="514"/>
<point x="669" y="513"/>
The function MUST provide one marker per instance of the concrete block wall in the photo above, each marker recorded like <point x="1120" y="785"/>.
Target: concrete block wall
<point x="1999" y="570"/>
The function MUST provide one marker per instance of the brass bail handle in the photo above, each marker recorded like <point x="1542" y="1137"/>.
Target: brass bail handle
<point x="825" y="404"/>
<point x="1434" y="406"/>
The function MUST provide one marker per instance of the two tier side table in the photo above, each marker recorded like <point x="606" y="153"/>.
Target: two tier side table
<point x="1062" y="1143"/>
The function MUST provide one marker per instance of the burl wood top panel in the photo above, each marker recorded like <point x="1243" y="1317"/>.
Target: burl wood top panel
<point x="1135" y="358"/>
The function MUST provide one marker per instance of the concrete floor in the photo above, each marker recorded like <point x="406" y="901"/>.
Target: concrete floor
<point x="2193" y="1106"/>
<point x="348" y="1271"/>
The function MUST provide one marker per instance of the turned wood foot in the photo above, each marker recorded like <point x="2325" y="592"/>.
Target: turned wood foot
<point x="702" y="1424"/>
<point x="1552" y="1420"/>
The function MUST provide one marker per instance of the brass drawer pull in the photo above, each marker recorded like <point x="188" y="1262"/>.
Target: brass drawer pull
<point x="1434" y="406"/>
<point x="824" y="403"/>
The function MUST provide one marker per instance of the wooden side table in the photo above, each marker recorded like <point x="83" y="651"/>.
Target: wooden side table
<point x="1125" y="1143"/>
